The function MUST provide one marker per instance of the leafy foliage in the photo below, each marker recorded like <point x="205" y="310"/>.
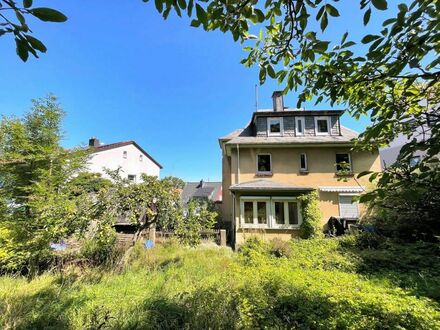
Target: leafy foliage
<point x="37" y="204"/>
<point x="198" y="217"/>
<point x="406" y="202"/>
<point x="176" y="182"/>
<point x="323" y="285"/>
<point x="311" y="216"/>
<point x="13" y="16"/>
<point x="88" y="183"/>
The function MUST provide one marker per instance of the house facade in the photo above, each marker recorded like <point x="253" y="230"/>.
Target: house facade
<point x="132" y="160"/>
<point x="281" y="154"/>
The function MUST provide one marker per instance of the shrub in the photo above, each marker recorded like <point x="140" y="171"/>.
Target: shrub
<point x="311" y="216"/>
<point x="280" y="248"/>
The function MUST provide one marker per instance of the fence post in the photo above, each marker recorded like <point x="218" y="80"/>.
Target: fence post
<point x="222" y="237"/>
<point x="152" y="233"/>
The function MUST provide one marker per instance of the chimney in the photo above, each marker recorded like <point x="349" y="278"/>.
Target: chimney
<point x="93" y="142"/>
<point x="201" y="184"/>
<point x="278" y="103"/>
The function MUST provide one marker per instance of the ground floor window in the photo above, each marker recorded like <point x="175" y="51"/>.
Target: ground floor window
<point x="348" y="208"/>
<point x="269" y="212"/>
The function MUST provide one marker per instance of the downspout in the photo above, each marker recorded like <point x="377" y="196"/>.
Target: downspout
<point x="238" y="163"/>
<point x="233" y="221"/>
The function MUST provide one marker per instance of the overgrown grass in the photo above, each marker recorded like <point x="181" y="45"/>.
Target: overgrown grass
<point x="317" y="284"/>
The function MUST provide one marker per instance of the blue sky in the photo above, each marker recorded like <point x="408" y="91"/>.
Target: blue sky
<point x="123" y="73"/>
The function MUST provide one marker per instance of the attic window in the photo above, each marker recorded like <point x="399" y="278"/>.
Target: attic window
<point x="299" y="125"/>
<point x="322" y="125"/>
<point x="124" y="154"/>
<point x="141" y="158"/>
<point x="274" y="126"/>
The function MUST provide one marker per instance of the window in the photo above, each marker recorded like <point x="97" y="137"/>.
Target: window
<point x="124" y="154"/>
<point x="264" y="164"/>
<point x="322" y="125"/>
<point x="274" y="126"/>
<point x="255" y="212"/>
<point x="343" y="162"/>
<point x="303" y="162"/>
<point x="299" y="125"/>
<point x="414" y="161"/>
<point x="267" y="212"/>
<point x="141" y="158"/>
<point x="131" y="177"/>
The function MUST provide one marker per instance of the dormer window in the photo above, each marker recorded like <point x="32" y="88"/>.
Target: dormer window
<point x="299" y="125"/>
<point x="322" y="125"/>
<point x="274" y="126"/>
<point x="124" y="154"/>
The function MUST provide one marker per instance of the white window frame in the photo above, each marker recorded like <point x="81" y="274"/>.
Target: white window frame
<point x="134" y="177"/>
<point x="285" y="201"/>
<point x="254" y="201"/>
<point x="327" y="118"/>
<point x="269" y="120"/>
<point x="270" y="212"/>
<point x="303" y="121"/>
<point x="124" y="154"/>
<point x="301" y="169"/>
<point x="349" y="159"/>
<point x="270" y="162"/>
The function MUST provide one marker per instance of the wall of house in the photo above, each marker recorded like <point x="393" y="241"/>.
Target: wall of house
<point x="113" y="158"/>
<point x="285" y="168"/>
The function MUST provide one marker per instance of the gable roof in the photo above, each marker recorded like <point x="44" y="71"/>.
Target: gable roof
<point x="209" y="190"/>
<point x="123" y="144"/>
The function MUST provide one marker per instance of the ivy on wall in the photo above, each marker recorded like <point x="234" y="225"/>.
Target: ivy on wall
<point x="311" y="214"/>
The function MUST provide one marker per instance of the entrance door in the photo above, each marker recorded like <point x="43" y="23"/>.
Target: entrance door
<point x="347" y="209"/>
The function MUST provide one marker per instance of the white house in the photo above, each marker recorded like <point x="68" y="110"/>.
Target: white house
<point x="128" y="156"/>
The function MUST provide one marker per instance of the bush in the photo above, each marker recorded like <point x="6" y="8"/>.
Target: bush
<point x="280" y="248"/>
<point x="311" y="216"/>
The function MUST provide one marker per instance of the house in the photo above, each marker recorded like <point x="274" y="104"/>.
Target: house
<point x="421" y="133"/>
<point x="128" y="156"/>
<point x="281" y="154"/>
<point x="210" y="191"/>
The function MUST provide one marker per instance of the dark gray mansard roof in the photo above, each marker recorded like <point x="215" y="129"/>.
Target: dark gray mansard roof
<point x="247" y="136"/>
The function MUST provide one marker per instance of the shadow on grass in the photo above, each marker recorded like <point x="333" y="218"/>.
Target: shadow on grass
<point x="412" y="266"/>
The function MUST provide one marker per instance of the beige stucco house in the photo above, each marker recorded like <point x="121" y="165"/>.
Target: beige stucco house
<point x="281" y="154"/>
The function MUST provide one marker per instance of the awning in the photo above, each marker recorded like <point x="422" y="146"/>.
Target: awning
<point x="267" y="185"/>
<point x="346" y="189"/>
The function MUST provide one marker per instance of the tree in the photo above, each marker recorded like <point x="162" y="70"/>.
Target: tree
<point x="87" y="183"/>
<point x="37" y="206"/>
<point x="13" y="21"/>
<point x="175" y="181"/>
<point x="152" y="202"/>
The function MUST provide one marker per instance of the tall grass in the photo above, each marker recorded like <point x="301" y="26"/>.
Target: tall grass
<point x="319" y="285"/>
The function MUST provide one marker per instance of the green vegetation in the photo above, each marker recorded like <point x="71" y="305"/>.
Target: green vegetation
<point x="320" y="284"/>
<point x="311" y="226"/>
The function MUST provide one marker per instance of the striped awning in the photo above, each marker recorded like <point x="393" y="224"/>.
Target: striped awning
<point x="343" y="189"/>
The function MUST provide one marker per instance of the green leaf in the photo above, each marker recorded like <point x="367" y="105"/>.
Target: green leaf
<point x="324" y="21"/>
<point x="369" y="38"/>
<point x="332" y="11"/>
<point x="364" y="173"/>
<point x="48" y="15"/>
<point x="380" y="4"/>
<point x="321" y="46"/>
<point x="271" y="71"/>
<point x="37" y="44"/>
<point x="201" y="14"/>
<point x="27" y="3"/>
<point x="22" y="49"/>
<point x="159" y="5"/>
<point x="367" y="16"/>
<point x="262" y="75"/>
<point x="260" y="15"/>
<point x="20" y="17"/>
<point x="182" y="4"/>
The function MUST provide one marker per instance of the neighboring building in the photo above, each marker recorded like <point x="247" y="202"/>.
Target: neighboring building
<point x="281" y="154"/>
<point x="128" y="156"/>
<point x="210" y="191"/>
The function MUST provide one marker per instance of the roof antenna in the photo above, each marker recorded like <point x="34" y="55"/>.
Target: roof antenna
<point x="256" y="97"/>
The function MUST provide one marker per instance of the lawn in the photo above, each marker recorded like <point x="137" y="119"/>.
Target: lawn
<point x="316" y="284"/>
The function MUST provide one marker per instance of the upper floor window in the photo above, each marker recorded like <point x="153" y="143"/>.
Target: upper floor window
<point x="299" y="125"/>
<point x="322" y="125"/>
<point x="303" y="162"/>
<point x="343" y="163"/>
<point x="131" y="177"/>
<point x="124" y="154"/>
<point x="141" y="158"/>
<point x="274" y="126"/>
<point x="264" y="164"/>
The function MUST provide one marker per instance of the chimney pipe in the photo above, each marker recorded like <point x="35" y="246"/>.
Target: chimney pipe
<point x="278" y="102"/>
<point x="93" y="142"/>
